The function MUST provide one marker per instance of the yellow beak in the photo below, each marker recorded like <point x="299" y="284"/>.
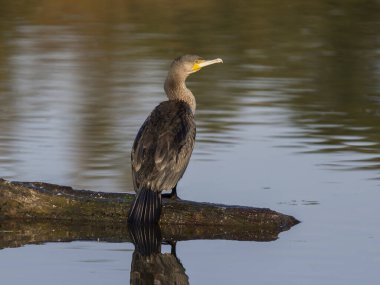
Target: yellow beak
<point x="202" y="63"/>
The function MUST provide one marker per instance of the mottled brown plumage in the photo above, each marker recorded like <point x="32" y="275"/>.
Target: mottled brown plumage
<point x="163" y="146"/>
<point x="164" y="143"/>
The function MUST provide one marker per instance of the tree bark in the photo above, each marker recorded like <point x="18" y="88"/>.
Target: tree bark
<point x="34" y="205"/>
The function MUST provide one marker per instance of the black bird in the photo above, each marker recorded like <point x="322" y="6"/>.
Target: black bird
<point x="163" y="146"/>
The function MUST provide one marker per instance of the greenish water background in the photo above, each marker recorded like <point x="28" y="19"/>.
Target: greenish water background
<point x="290" y="121"/>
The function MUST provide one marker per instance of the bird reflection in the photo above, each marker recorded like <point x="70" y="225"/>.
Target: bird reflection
<point x="149" y="265"/>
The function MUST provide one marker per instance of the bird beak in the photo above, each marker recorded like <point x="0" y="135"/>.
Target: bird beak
<point x="209" y="62"/>
<point x="202" y="63"/>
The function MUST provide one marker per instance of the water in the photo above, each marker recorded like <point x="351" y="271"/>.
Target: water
<point x="290" y="121"/>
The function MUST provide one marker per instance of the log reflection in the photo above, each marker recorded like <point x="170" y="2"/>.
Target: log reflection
<point x="16" y="232"/>
<point x="149" y="265"/>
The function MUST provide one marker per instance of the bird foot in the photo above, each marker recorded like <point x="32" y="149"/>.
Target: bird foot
<point x="172" y="196"/>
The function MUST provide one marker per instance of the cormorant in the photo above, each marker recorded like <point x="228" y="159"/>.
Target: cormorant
<point x="163" y="146"/>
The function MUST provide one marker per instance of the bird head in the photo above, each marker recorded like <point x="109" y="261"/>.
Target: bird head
<point x="188" y="64"/>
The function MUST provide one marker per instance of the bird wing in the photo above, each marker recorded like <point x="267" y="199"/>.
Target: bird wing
<point x="163" y="146"/>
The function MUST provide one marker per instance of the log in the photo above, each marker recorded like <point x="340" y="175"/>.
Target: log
<point x="36" y="207"/>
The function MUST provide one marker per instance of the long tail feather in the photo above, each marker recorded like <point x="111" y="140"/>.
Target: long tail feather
<point x="146" y="209"/>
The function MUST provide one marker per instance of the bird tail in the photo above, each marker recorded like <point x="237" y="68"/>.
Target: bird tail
<point x="146" y="209"/>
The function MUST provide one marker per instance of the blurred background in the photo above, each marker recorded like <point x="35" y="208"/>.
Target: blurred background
<point x="290" y="121"/>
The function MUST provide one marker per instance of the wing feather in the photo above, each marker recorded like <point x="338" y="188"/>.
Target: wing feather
<point x="163" y="146"/>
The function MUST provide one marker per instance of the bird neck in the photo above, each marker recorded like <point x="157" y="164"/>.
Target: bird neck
<point x="175" y="88"/>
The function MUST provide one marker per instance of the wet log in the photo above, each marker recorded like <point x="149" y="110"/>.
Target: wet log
<point x="55" y="204"/>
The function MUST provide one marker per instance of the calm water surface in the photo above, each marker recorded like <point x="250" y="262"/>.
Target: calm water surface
<point x="290" y="121"/>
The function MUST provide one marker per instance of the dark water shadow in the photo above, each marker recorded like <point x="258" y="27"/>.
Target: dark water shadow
<point x="17" y="233"/>
<point x="149" y="264"/>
